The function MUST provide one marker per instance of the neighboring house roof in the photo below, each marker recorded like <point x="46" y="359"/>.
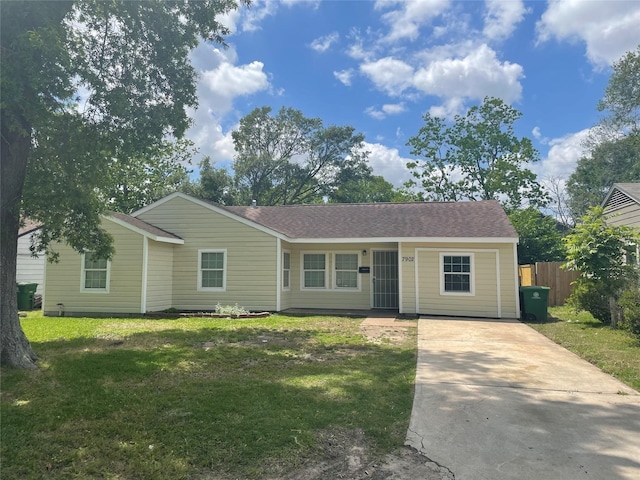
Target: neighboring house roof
<point x="481" y="219"/>
<point x="144" y="228"/>
<point x="622" y="195"/>
<point x="28" y="227"/>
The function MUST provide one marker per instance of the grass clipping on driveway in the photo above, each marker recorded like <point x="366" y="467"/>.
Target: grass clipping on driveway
<point x="201" y="398"/>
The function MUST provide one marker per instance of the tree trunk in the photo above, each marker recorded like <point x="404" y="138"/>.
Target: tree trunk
<point x="15" y="349"/>
<point x="614" y="312"/>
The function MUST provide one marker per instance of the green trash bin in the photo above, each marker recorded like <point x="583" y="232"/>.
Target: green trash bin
<point x="534" y="302"/>
<point x="26" y="291"/>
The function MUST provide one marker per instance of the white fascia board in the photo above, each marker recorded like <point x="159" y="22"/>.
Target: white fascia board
<point x="510" y="240"/>
<point x="133" y="228"/>
<point x="213" y="208"/>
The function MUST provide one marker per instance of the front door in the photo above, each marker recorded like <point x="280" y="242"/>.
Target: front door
<point x="385" y="279"/>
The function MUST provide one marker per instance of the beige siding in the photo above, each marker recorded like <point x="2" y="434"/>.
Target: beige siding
<point x="63" y="279"/>
<point x="28" y="268"/>
<point x="629" y="216"/>
<point x="159" y="276"/>
<point x="251" y="256"/>
<point x="493" y="269"/>
<point x="332" y="297"/>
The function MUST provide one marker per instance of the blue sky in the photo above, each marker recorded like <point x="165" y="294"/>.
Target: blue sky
<point x="381" y="65"/>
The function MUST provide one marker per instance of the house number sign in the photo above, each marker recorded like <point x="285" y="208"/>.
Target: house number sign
<point x="408" y="259"/>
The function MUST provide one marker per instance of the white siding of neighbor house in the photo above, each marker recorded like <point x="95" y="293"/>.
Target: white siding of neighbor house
<point x="628" y="215"/>
<point x="332" y="297"/>
<point x="251" y="279"/>
<point x="63" y="279"/>
<point x="159" y="276"/>
<point x="28" y="268"/>
<point x="494" y="272"/>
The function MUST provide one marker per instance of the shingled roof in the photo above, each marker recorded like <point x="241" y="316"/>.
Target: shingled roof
<point x="482" y="219"/>
<point x="144" y="226"/>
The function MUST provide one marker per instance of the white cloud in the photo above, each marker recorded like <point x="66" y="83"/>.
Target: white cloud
<point x="374" y="113"/>
<point x="322" y="44"/>
<point x="501" y="18"/>
<point x="388" y="163"/>
<point x="608" y="28"/>
<point x="218" y="85"/>
<point x="474" y="76"/>
<point x="563" y="156"/>
<point x="387" y="109"/>
<point x="344" y="76"/>
<point x="449" y="109"/>
<point x="229" y="81"/>
<point x="393" y="108"/>
<point x="406" y="21"/>
<point x="388" y="74"/>
<point x="261" y="9"/>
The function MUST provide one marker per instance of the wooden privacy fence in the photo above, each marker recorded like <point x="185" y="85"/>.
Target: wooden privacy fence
<point x="549" y="274"/>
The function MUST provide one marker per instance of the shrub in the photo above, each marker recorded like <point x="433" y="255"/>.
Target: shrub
<point x="630" y="304"/>
<point x="232" y="311"/>
<point x="591" y="297"/>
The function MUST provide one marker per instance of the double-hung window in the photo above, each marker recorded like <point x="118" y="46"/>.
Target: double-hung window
<point x="286" y="270"/>
<point x="457" y="274"/>
<point x="346" y="267"/>
<point x="314" y="270"/>
<point x="95" y="274"/>
<point x="212" y="269"/>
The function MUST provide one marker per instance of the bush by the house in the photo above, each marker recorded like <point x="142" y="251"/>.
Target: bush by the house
<point x="630" y="304"/>
<point x="231" y="310"/>
<point x="590" y="297"/>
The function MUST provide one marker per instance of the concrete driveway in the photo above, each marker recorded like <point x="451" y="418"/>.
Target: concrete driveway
<point x="496" y="400"/>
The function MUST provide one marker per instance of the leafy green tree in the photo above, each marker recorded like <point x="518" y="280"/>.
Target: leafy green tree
<point x="609" y="162"/>
<point x="621" y="98"/>
<point x="601" y="253"/>
<point x="479" y="157"/>
<point x="131" y="61"/>
<point x="137" y="182"/>
<point x="214" y="184"/>
<point x="288" y="158"/>
<point x="371" y="189"/>
<point x="540" y="236"/>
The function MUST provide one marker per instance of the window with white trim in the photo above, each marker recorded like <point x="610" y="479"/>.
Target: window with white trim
<point x="286" y="270"/>
<point x="314" y="270"/>
<point x="346" y="267"/>
<point x="457" y="275"/>
<point x="212" y="269"/>
<point x="95" y="273"/>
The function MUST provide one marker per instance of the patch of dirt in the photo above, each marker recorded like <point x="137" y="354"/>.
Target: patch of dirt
<point x="385" y="334"/>
<point x="344" y="455"/>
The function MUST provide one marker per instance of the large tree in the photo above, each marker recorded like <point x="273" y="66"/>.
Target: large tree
<point x="288" y="158"/>
<point x="83" y="83"/>
<point x="621" y="101"/>
<point x="608" y="162"/>
<point x="614" y="144"/>
<point x="478" y="157"/>
<point x="540" y="236"/>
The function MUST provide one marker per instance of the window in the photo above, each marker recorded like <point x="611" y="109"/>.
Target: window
<point x="314" y="270"/>
<point x="346" y="266"/>
<point x="212" y="270"/>
<point x="457" y="276"/>
<point x="95" y="273"/>
<point x="286" y="270"/>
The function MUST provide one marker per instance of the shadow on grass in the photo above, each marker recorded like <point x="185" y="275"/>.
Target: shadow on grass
<point x="177" y="403"/>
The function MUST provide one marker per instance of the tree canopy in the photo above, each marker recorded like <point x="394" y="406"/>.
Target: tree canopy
<point x="288" y="158"/>
<point x="478" y="157"/>
<point x="84" y="83"/>
<point x="614" y="144"/>
<point x="540" y="236"/>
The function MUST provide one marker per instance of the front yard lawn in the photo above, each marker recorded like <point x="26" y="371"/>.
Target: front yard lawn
<point x="616" y="352"/>
<point x="200" y="397"/>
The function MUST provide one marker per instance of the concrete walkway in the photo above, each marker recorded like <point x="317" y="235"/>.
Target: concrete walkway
<point x="496" y="400"/>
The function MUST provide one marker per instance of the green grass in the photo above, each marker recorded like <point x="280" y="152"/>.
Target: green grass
<point x="198" y="398"/>
<point x="614" y="351"/>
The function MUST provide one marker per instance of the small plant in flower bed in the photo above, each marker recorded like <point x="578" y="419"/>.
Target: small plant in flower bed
<point x="231" y="310"/>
